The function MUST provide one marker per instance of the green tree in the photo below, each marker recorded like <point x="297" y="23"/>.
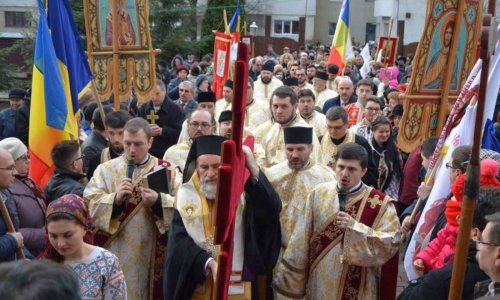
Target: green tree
<point x="213" y="19"/>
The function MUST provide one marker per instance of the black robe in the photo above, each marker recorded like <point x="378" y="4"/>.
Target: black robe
<point x="185" y="261"/>
<point x="170" y="120"/>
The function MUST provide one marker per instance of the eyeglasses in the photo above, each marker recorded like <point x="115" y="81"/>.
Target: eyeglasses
<point x="372" y="109"/>
<point x="9" y="168"/>
<point x="479" y="242"/>
<point x="81" y="157"/>
<point x="196" y="125"/>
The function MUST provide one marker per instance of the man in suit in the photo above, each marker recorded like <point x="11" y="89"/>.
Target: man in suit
<point x="186" y="98"/>
<point x="346" y="95"/>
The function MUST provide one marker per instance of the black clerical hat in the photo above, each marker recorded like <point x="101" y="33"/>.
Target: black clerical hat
<point x="321" y="75"/>
<point x="291" y="81"/>
<point x="298" y="135"/>
<point x="268" y="66"/>
<point x="228" y="83"/>
<point x="226" y="115"/>
<point x="207" y="144"/>
<point x="206" y="97"/>
<point x="333" y="69"/>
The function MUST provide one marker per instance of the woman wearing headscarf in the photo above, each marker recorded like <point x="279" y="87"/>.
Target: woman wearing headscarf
<point x="70" y="242"/>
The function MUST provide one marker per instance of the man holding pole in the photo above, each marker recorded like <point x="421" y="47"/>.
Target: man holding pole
<point x="11" y="242"/>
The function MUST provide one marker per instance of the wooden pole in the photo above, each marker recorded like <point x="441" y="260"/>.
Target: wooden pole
<point x="116" y="55"/>
<point x="10" y="225"/>
<point x="99" y="103"/>
<point x="471" y="188"/>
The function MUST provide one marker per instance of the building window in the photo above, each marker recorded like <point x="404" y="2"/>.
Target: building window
<point x="331" y="28"/>
<point x="16" y="19"/>
<point x="286" y="27"/>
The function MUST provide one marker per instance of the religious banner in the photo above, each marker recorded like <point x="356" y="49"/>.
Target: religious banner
<point x="222" y="49"/>
<point x="389" y="48"/>
<point x="445" y="56"/>
<point x="132" y="51"/>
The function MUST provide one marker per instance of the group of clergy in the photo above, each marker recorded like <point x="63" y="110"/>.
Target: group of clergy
<point x="307" y="225"/>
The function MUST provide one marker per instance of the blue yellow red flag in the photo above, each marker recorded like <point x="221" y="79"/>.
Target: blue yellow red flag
<point x="60" y="73"/>
<point x="341" y="48"/>
<point x="234" y="24"/>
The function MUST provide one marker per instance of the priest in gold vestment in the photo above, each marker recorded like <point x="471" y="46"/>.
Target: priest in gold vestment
<point x="192" y="257"/>
<point x="206" y="100"/>
<point x="295" y="178"/>
<point x="321" y="92"/>
<point x="312" y="117"/>
<point x="199" y="123"/>
<point x="271" y="149"/>
<point x="344" y="245"/>
<point x="339" y="134"/>
<point x="266" y="83"/>
<point x="257" y="112"/>
<point x="130" y="219"/>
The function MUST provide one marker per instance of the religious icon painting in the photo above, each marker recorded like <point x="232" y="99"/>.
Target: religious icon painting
<point x="446" y="53"/>
<point x="189" y="211"/>
<point x="136" y="63"/>
<point x="389" y="47"/>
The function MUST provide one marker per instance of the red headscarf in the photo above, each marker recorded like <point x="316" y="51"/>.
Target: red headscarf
<point x="72" y="205"/>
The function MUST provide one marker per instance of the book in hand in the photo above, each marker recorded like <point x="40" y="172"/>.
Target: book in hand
<point x="157" y="180"/>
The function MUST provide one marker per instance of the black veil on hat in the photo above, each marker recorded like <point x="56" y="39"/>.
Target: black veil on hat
<point x="207" y="144"/>
<point x="298" y="135"/>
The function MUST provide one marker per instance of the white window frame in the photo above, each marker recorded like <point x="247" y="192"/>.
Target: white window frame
<point x="284" y="19"/>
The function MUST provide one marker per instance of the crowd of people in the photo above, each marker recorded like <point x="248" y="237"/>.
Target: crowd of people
<point x="323" y="215"/>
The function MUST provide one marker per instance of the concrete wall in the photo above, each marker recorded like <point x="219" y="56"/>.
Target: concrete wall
<point x="329" y="10"/>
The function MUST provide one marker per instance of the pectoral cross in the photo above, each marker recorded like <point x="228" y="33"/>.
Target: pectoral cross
<point x="152" y="117"/>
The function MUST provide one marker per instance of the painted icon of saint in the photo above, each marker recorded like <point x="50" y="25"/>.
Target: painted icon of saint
<point x="438" y="62"/>
<point x="126" y="35"/>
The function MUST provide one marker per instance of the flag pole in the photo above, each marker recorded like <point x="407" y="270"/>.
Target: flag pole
<point x="471" y="188"/>
<point x="116" y="56"/>
<point x="10" y="225"/>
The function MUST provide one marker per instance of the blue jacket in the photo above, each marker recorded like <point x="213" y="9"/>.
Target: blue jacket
<point x="336" y="102"/>
<point x="8" y="123"/>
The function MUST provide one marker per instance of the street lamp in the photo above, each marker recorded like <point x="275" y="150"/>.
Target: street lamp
<point x="253" y="29"/>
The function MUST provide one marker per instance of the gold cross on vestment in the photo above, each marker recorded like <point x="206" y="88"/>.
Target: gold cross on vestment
<point x="152" y="117"/>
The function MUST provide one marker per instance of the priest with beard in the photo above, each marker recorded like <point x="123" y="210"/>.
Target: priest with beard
<point x="271" y="148"/>
<point x="265" y="85"/>
<point x="191" y="260"/>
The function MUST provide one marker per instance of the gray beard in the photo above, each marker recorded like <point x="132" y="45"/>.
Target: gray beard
<point x="210" y="190"/>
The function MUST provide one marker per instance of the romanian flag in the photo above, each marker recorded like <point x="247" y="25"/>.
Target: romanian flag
<point x="234" y="24"/>
<point x="341" y="48"/>
<point x="60" y="73"/>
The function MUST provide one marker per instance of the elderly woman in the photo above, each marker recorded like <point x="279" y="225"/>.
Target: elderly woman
<point x="27" y="196"/>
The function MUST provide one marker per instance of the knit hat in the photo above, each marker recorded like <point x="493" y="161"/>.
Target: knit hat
<point x="182" y="67"/>
<point x="14" y="146"/>
<point x="486" y="153"/>
<point x="489" y="170"/>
